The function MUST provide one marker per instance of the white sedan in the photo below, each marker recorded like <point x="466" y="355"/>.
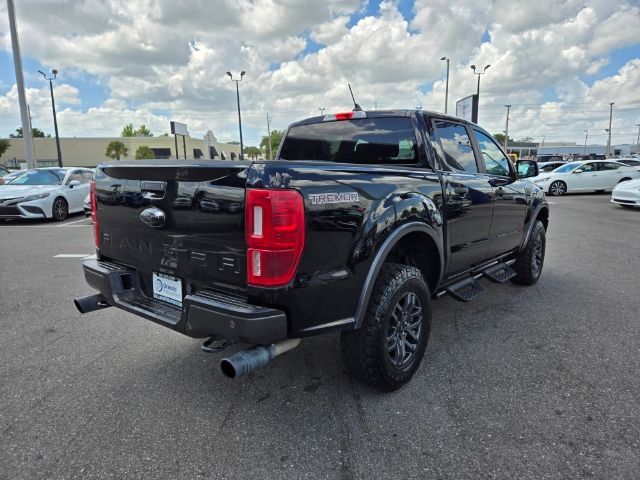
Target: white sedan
<point x="45" y="193"/>
<point x="627" y="194"/>
<point x="590" y="175"/>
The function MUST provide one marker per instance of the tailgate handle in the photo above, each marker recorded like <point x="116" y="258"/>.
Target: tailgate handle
<point x="147" y="186"/>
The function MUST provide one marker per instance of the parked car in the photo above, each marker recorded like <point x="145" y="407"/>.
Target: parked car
<point x="545" y="167"/>
<point x="632" y="162"/>
<point x="45" y="193"/>
<point x="363" y="219"/>
<point x="86" y="206"/>
<point x="10" y="175"/>
<point x="586" y="176"/>
<point x="627" y="194"/>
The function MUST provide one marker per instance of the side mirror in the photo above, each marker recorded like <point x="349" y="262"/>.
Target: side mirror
<point x="527" y="168"/>
<point x="73" y="183"/>
<point x="578" y="170"/>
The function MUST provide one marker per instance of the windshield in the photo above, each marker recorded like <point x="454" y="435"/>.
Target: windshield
<point x="40" y="177"/>
<point x="567" y="168"/>
<point x="382" y="140"/>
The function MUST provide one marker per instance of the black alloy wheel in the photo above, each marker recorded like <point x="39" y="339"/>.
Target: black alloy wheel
<point x="530" y="260"/>
<point x="60" y="209"/>
<point x="387" y="349"/>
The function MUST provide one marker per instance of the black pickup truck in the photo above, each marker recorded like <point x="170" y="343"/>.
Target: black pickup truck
<point x="359" y="223"/>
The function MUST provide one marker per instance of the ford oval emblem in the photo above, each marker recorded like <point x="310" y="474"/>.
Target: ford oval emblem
<point x="154" y="217"/>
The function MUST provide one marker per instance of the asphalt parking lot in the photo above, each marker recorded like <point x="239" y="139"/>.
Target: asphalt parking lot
<point x="528" y="383"/>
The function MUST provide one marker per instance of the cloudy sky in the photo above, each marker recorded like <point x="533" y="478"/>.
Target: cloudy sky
<point x="557" y="62"/>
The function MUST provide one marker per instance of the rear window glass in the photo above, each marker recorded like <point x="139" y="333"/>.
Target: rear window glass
<point x="389" y="140"/>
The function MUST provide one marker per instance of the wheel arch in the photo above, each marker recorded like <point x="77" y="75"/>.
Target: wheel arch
<point x="408" y="238"/>
<point x="540" y="213"/>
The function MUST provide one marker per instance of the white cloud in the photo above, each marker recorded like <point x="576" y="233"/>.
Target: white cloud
<point x="163" y="61"/>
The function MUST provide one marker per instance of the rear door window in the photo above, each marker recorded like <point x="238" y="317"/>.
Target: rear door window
<point x="608" y="166"/>
<point x="382" y="140"/>
<point x="457" y="152"/>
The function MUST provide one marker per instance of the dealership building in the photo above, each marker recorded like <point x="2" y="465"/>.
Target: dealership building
<point x="89" y="152"/>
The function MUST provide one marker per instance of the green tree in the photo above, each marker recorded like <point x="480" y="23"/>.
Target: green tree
<point x="500" y="138"/>
<point x="144" y="153"/>
<point x="35" y="131"/>
<point x="526" y="140"/>
<point x="143" y="131"/>
<point x="4" y="146"/>
<point x="116" y="149"/>
<point x="252" y="152"/>
<point x="128" y="131"/>
<point x="276" y="137"/>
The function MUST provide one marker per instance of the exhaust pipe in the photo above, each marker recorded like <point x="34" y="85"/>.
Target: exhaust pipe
<point x="246" y="361"/>
<point x="90" y="303"/>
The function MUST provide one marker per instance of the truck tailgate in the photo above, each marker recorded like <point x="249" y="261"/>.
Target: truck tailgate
<point x="176" y="219"/>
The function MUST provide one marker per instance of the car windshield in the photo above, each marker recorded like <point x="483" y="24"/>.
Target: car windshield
<point x="567" y="168"/>
<point x="40" y="177"/>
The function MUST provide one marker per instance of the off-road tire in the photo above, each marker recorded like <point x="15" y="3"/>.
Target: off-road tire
<point x="365" y="351"/>
<point x="530" y="260"/>
<point x="60" y="209"/>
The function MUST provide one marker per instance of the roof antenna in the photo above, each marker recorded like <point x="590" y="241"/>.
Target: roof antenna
<point x="356" y="107"/>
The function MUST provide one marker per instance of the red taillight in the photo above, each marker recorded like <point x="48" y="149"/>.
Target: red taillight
<point x="274" y="232"/>
<point x="94" y="212"/>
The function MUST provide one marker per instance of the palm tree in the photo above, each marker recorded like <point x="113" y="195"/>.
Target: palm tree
<point x="116" y="149"/>
<point x="143" y="152"/>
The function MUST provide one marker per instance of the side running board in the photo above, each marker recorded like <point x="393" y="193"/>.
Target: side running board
<point x="469" y="288"/>
<point x="465" y="290"/>
<point x="499" y="273"/>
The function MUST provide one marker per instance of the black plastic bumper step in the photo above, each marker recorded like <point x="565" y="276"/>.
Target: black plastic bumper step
<point x="465" y="290"/>
<point x="499" y="273"/>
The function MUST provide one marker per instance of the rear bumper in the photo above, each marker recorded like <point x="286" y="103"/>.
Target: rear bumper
<point x="203" y="314"/>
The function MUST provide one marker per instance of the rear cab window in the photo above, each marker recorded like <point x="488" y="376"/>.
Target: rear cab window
<point x="375" y="140"/>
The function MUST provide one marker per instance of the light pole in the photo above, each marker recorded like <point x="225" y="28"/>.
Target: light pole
<point x="322" y="109"/>
<point x="506" y="128"/>
<point x="638" y="142"/>
<point x="609" y="130"/>
<point x="53" y="106"/>
<point x="586" y="136"/>
<point x="269" y="137"/>
<point x="239" y="117"/>
<point x="478" y="73"/>
<point x="446" y="92"/>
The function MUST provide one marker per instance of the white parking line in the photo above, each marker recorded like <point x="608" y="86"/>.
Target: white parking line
<point x="74" y="255"/>
<point x="71" y="223"/>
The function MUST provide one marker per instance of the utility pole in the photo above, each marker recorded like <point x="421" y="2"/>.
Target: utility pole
<point x="609" y="140"/>
<point x="446" y="92"/>
<point x="506" y="128"/>
<point x="586" y="136"/>
<point x="53" y="106"/>
<point x="269" y="137"/>
<point x="22" y="99"/>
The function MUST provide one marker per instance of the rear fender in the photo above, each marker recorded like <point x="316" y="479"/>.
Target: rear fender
<point x="381" y="255"/>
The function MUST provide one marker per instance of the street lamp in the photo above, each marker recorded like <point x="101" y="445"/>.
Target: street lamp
<point x="609" y="130"/>
<point x="586" y="135"/>
<point x="506" y="128"/>
<point x="239" y="117"/>
<point x="321" y="110"/>
<point x="638" y="142"/>
<point x="478" y="73"/>
<point x="446" y="94"/>
<point x="53" y="106"/>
